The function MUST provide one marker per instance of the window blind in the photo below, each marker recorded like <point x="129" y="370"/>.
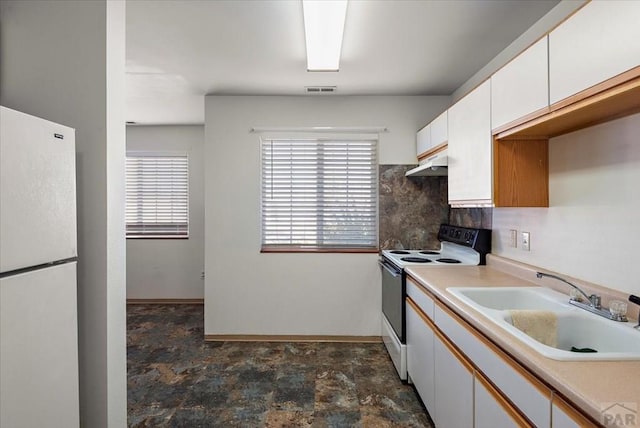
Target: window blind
<point x="157" y="202"/>
<point x="319" y="194"/>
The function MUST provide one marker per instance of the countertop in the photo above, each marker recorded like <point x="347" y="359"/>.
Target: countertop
<point x="588" y="385"/>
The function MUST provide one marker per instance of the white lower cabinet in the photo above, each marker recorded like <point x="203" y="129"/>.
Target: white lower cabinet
<point x="420" y="362"/>
<point x="565" y="416"/>
<point x="530" y="396"/>
<point x="453" y="387"/>
<point x="466" y="381"/>
<point x="491" y="409"/>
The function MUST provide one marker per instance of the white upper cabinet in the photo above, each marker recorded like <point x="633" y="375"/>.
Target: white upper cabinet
<point x="432" y="135"/>
<point x="439" y="130"/>
<point x="423" y="140"/>
<point x="470" y="153"/>
<point x="522" y="86"/>
<point x="598" y="42"/>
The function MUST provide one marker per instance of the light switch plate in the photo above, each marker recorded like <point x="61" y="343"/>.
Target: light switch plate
<point x="526" y="244"/>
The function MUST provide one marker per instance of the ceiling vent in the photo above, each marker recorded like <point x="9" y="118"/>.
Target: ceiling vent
<point x="320" y="89"/>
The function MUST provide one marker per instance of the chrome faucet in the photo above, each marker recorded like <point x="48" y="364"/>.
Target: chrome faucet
<point x="593" y="300"/>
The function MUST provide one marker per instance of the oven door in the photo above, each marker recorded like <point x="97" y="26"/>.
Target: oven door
<point x="393" y="297"/>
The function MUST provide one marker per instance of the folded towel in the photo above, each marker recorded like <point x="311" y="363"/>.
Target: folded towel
<point x="540" y="325"/>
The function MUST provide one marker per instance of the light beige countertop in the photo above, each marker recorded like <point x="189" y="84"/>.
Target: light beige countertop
<point x="588" y="385"/>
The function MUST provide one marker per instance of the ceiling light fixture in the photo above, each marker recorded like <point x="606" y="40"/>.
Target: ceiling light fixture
<point x="323" y="29"/>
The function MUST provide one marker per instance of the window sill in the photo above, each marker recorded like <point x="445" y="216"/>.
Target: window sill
<point x="318" y="250"/>
<point x="157" y="237"/>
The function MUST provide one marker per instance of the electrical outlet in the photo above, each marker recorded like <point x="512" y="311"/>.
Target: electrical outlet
<point x="526" y="241"/>
<point x="202" y="275"/>
<point x="513" y="238"/>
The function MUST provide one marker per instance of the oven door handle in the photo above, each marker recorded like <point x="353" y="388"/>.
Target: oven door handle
<point x="389" y="269"/>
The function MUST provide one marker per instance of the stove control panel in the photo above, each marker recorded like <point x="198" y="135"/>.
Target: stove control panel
<point x="478" y="239"/>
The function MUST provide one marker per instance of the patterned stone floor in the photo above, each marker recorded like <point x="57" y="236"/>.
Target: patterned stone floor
<point x="176" y="379"/>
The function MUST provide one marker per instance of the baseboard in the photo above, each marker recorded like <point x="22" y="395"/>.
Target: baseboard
<point x="289" y="338"/>
<point x="165" y="301"/>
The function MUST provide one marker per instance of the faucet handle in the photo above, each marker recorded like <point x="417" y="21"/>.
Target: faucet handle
<point x="636" y="300"/>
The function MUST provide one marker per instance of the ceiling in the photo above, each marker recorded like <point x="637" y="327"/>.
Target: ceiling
<point x="179" y="51"/>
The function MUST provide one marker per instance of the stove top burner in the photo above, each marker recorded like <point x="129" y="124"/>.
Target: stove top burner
<point x="430" y="252"/>
<point x="399" y="252"/>
<point x="416" y="260"/>
<point x="446" y="260"/>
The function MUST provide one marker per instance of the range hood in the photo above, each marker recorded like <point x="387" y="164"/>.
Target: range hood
<point x="432" y="166"/>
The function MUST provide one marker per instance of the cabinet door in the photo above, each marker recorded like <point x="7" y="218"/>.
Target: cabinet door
<point x="423" y="140"/>
<point x="522" y="86"/>
<point x="439" y="129"/>
<point x="565" y="416"/>
<point x="491" y="409"/>
<point x="453" y="387"/>
<point x="470" y="162"/>
<point x="524" y="391"/>
<point x="598" y="42"/>
<point x="420" y="364"/>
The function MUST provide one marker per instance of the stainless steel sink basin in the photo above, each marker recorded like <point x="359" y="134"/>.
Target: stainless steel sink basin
<point x="575" y="327"/>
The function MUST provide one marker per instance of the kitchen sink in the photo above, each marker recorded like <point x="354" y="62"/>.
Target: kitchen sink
<point x="504" y="298"/>
<point x="576" y="327"/>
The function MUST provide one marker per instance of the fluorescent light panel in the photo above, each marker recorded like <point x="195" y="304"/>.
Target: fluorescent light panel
<point x="324" y="28"/>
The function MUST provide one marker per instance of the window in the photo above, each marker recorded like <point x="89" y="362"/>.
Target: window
<point x="319" y="194"/>
<point x="157" y="195"/>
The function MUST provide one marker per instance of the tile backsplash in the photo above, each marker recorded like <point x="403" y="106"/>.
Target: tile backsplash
<point x="471" y="217"/>
<point x="411" y="209"/>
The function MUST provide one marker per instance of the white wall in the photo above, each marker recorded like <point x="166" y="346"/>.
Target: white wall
<point x="64" y="61"/>
<point x="591" y="229"/>
<point x="170" y="268"/>
<point x="247" y="292"/>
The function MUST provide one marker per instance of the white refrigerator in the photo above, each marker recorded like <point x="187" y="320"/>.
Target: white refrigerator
<point x="38" y="292"/>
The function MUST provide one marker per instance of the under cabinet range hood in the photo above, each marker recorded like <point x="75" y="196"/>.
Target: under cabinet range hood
<point x="434" y="165"/>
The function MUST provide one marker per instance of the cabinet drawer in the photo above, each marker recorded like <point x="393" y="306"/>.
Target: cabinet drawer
<point x="421" y="297"/>
<point x="527" y="393"/>
<point x="492" y="409"/>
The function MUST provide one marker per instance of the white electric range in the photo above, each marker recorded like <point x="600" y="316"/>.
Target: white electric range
<point x="459" y="246"/>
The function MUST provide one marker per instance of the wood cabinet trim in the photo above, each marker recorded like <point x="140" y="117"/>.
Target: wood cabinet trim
<point x="432" y="151"/>
<point x="503" y="402"/>
<point x="524" y="119"/>
<point x="537" y="383"/>
<point x="421" y="314"/>
<point x="596" y="89"/>
<point x="165" y="301"/>
<point x="572" y="413"/>
<point x="454" y="350"/>
<point x="614" y="98"/>
<point x="290" y="338"/>
<point x="318" y="250"/>
<point x="462" y="203"/>
<point x="421" y="288"/>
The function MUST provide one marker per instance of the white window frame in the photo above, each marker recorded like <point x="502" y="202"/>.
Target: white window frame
<point x="267" y="245"/>
<point x="171" y="228"/>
